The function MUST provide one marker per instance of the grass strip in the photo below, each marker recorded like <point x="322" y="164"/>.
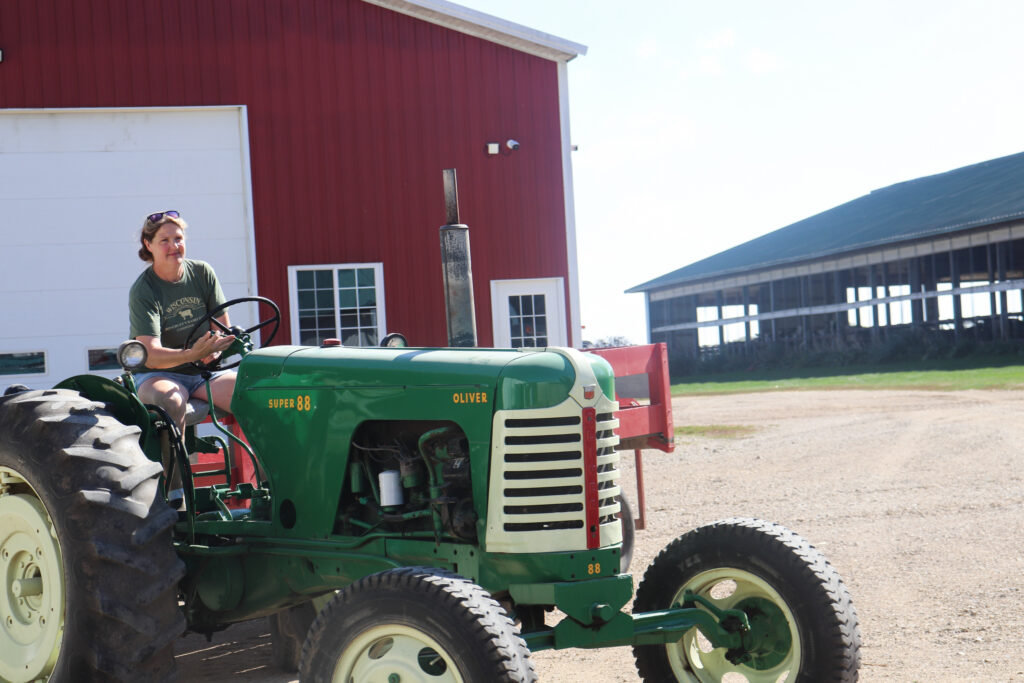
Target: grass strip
<point x="1010" y="377"/>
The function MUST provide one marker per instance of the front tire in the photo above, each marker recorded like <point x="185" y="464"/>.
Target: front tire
<point x="418" y="624"/>
<point x="88" y="574"/>
<point x="793" y="597"/>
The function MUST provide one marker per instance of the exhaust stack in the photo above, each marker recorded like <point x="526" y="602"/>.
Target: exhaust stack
<point x="457" y="269"/>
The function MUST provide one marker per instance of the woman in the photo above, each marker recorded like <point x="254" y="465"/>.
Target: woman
<point x="164" y="304"/>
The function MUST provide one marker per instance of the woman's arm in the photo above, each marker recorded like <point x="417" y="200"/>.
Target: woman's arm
<point x="161" y="357"/>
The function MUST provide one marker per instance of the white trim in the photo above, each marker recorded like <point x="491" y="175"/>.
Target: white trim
<point x="487" y="27"/>
<point x="571" y="252"/>
<point x="249" y="219"/>
<point x="293" y="294"/>
<point x="116" y="110"/>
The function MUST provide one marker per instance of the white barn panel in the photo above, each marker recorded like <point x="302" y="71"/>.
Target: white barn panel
<point x="75" y="186"/>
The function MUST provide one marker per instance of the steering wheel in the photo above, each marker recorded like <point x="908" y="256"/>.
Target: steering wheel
<point x="242" y="341"/>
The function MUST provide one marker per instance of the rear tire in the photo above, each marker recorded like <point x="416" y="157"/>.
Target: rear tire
<point x="420" y="624"/>
<point x="776" y="577"/>
<point x="85" y="547"/>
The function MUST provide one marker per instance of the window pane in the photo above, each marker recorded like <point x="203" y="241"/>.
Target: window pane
<point x="307" y="300"/>
<point x="538" y="304"/>
<point x="517" y="327"/>
<point x="370" y="339"/>
<point x="305" y="279"/>
<point x="517" y="343"/>
<point x="346" y="278"/>
<point x="33" y="363"/>
<point x="350" y="337"/>
<point x="542" y="341"/>
<point x="527" y="305"/>
<point x="367" y="297"/>
<point x="349" y="318"/>
<point x="542" y="326"/>
<point x="323" y="279"/>
<point x="103" y="359"/>
<point x="366" y="277"/>
<point x="346" y="298"/>
<point x="513" y="306"/>
<point x="324" y="299"/>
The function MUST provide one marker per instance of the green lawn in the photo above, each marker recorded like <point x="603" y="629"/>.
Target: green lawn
<point x="949" y="378"/>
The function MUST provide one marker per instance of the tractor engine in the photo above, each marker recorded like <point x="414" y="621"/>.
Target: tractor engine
<point x="405" y="475"/>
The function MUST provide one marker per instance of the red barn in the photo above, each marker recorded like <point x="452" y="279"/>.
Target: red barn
<point x="304" y="141"/>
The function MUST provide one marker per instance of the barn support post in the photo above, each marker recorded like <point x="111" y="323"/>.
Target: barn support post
<point x="746" y="314"/>
<point x="719" y="302"/>
<point x="839" y="297"/>
<point x="995" y="320"/>
<point x="803" y="282"/>
<point x="914" y="277"/>
<point x="1004" y="321"/>
<point x="771" y="301"/>
<point x="875" y="309"/>
<point x="954" y="281"/>
<point x="931" y="285"/>
<point x="886" y="293"/>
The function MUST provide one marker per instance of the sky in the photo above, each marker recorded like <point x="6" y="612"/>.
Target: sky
<point x="701" y="125"/>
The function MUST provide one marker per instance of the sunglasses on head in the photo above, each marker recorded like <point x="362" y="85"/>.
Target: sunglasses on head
<point x="157" y="217"/>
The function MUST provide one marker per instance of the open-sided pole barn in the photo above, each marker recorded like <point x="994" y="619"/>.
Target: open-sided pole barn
<point x="944" y="252"/>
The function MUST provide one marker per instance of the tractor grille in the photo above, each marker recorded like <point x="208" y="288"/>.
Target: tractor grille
<point x="543" y="476"/>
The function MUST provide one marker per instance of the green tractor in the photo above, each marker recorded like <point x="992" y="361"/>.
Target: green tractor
<point x="416" y="515"/>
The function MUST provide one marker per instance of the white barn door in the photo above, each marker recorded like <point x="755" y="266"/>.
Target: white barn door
<point x="75" y="186"/>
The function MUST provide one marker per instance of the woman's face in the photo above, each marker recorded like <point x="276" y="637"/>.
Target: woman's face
<point x="167" y="246"/>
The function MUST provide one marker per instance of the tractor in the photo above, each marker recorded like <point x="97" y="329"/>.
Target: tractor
<point x="415" y="514"/>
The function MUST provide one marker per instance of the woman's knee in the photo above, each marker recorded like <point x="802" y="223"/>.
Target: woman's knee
<point x="167" y="394"/>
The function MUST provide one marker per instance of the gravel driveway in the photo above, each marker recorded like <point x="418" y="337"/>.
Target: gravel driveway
<point x="916" y="497"/>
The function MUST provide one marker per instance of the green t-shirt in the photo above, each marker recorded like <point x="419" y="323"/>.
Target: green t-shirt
<point x="169" y="310"/>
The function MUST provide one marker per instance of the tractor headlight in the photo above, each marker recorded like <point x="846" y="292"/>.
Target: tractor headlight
<point x="132" y="354"/>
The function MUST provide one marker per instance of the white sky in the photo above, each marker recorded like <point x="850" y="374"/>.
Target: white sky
<point x="702" y="125"/>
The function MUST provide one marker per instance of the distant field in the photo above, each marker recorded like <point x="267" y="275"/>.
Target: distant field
<point x="935" y="379"/>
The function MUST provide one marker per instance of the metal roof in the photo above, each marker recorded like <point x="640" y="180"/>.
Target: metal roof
<point x="978" y="195"/>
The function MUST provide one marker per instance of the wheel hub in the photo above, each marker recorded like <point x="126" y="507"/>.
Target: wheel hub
<point x="397" y="654"/>
<point x="31" y="588"/>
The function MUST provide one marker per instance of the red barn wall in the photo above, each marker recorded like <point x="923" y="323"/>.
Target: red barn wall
<point x="353" y="112"/>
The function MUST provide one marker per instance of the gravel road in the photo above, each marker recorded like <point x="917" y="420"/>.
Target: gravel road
<point x="916" y="497"/>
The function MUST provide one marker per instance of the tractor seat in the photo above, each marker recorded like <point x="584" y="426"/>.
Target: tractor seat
<point x="196" y="411"/>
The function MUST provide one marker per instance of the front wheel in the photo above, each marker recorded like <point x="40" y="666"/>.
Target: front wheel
<point x="803" y="625"/>
<point x="414" y="624"/>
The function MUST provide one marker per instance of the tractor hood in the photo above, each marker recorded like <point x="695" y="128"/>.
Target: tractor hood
<point x="511" y="378"/>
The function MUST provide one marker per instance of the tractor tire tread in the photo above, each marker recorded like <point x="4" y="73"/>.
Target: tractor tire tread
<point x="114" y="530"/>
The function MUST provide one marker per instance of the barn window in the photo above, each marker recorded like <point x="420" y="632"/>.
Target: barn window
<point x="31" y="363"/>
<point x="340" y="301"/>
<point x="103" y="359"/>
<point x="528" y="320"/>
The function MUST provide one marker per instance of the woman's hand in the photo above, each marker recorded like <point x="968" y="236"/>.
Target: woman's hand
<point x="208" y="347"/>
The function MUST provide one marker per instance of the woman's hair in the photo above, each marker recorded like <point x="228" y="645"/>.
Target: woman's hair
<point x="149" y="230"/>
